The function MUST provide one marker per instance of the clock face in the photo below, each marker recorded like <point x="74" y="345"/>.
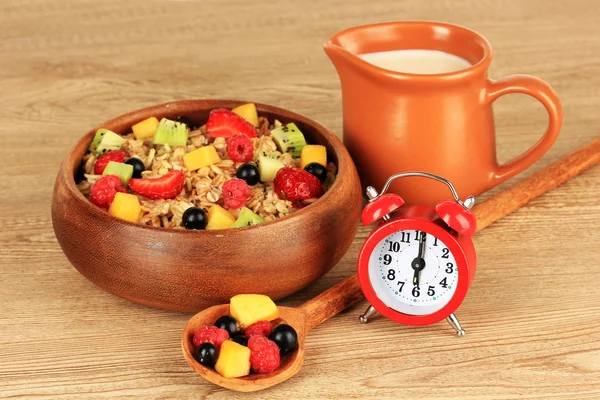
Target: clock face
<point x="413" y="272"/>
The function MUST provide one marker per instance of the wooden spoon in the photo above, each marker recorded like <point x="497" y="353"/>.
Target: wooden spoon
<point x="346" y="293"/>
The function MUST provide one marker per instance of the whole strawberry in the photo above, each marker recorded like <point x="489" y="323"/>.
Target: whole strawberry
<point x="235" y="192"/>
<point x="104" y="189"/>
<point x="297" y="184"/>
<point x="210" y="334"/>
<point x="264" y="355"/>
<point x="103" y="160"/>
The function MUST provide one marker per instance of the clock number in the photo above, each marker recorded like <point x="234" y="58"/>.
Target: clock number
<point x="415" y="291"/>
<point x="443" y="283"/>
<point x="417" y="236"/>
<point x="435" y="241"/>
<point x="405" y="237"/>
<point x="446" y="253"/>
<point x="401" y="285"/>
<point x="391" y="274"/>
<point x="395" y="246"/>
<point x="431" y="291"/>
<point x="450" y="268"/>
<point x="387" y="259"/>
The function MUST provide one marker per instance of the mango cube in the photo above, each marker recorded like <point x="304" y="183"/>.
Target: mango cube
<point x="313" y="153"/>
<point x="145" y="128"/>
<point x="125" y="206"/>
<point x="250" y="308"/>
<point x="234" y="360"/>
<point x="202" y="157"/>
<point x="248" y="112"/>
<point x="219" y="218"/>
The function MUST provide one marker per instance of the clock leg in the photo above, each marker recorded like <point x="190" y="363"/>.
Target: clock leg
<point x="368" y="314"/>
<point x="453" y="321"/>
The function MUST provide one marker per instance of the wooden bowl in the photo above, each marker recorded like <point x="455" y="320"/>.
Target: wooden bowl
<point x="191" y="270"/>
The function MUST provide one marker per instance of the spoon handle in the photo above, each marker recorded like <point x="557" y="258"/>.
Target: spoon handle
<point x="537" y="184"/>
<point x="346" y="293"/>
<point x="331" y="302"/>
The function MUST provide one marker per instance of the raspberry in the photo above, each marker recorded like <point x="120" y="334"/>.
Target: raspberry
<point x="260" y="328"/>
<point x="210" y="334"/>
<point x="103" y="160"/>
<point x="104" y="189"/>
<point x="240" y="148"/>
<point x="264" y="355"/>
<point x="235" y="193"/>
<point x="297" y="184"/>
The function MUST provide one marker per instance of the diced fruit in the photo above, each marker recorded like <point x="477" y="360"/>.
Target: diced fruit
<point x="170" y="132"/>
<point x="235" y="193"/>
<point x="207" y="354"/>
<point x="224" y="123"/>
<point x="219" y="218"/>
<point x="105" y="141"/>
<point x="240" y="148"/>
<point x="241" y="339"/>
<point x="248" y="112"/>
<point x="210" y="334"/>
<point x="250" y="308"/>
<point x="264" y="355"/>
<point x="165" y="187"/>
<point x="145" y="128"/>
<point x="103" y="160"/>
<point x="268" y="165"/>
<point x="289" y="139"/>
<point x="138" y="166"/>
<point x="123" y="171"/>
<point x="261" y="328"/>
<point x="317" y="170"/>
<point x="125" y="206"/>
<point x="247" y="218"/>
<point x="285" y="337"/>
<point x="297" y="184"/>
<point x="104" y="189"/>
<point x="313" y="153"/>
<point x="248" y="173"/>
<point x="234" y="360"/>
<point x="229" y="324"/>
<point x="202" y="157"/>
<point x="194" y="218"/>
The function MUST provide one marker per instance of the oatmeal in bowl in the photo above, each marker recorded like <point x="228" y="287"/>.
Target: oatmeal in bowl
<point x="121" y="219"/>
<point x="238" y="169"/>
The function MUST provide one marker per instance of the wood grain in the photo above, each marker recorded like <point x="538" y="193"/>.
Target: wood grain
<point x="532" y="314"/>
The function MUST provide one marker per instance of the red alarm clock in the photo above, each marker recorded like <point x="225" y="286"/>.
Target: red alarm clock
<point x="416" y="266"/>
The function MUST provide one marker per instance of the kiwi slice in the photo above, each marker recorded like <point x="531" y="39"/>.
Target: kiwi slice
<point x="170" y="132"/>
<point x="268" y="165"/>
<point x="247" y="218"/>
<point x="123" y="171"/>
<point x="289" y="139"/>
<point x="105" y="140"/>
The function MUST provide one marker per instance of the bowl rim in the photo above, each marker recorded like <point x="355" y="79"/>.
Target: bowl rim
<point x="67" y="174"/>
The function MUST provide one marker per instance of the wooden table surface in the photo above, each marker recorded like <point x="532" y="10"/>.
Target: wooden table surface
<point x="532" y="314"/>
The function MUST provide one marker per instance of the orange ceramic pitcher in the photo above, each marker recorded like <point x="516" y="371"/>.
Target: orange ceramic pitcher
<point x="442" y="124"/>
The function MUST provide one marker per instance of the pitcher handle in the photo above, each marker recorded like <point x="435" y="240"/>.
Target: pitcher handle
<point x="537" y="88"/>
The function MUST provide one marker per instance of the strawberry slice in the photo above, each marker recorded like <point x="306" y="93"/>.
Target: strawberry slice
<point x="224" y="123"/>
<point x="165" y="187"/>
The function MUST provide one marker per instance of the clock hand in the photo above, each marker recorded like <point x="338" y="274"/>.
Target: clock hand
<point x="419" y="263"/>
